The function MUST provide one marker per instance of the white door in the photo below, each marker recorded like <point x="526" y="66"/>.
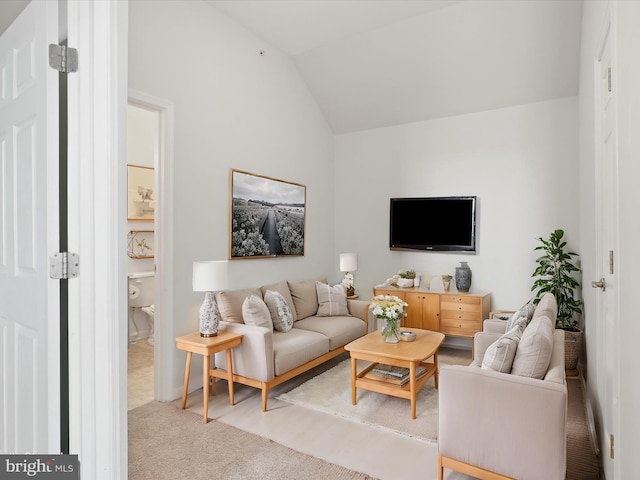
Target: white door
<point x="607" y="320"/>
<point x="29" y="300"/>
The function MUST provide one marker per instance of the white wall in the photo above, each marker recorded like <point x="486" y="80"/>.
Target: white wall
<point x="233" y="108"/>
<point x="521" y="163"/>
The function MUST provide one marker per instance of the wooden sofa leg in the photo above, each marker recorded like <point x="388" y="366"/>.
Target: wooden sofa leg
<point x="265" y="396"/>
<point x="440" y="468"/>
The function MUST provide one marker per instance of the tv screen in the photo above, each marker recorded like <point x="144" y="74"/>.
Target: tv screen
<point x="433" y="224"/>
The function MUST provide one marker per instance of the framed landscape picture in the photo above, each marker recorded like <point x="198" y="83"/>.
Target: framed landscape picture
<point x="267" y="216"/>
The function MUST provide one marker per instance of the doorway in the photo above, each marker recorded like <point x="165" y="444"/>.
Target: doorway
<point x="152" y="124"/>
<point x="143" y="149"/>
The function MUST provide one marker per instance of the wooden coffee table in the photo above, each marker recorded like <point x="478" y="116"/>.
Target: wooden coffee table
<point x="409" y="355"/>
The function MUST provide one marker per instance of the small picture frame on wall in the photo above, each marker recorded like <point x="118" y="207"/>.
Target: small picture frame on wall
<point x="140" y="195"/>
<point x="266" y="217"/>
<point x="140" y="244"/>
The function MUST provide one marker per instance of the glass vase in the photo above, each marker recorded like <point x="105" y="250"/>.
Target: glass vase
<point x="391" y="330"/>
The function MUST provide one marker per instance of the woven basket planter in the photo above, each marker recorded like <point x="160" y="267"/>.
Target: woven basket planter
<point x="572" y="350"/>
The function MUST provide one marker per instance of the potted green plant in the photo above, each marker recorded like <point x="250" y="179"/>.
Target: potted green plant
<point x="555" y="274"/>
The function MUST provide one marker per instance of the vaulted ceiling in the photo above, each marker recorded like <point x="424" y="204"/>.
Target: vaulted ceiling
<point x="387" y="62"/>
<point x="376" y="63"/>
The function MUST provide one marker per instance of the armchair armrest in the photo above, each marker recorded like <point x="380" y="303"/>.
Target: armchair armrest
<point x="512" y="425"/>
<point x="253" y="358"/>
<point x="493" y="325"/>
<point x="482" y="341"/>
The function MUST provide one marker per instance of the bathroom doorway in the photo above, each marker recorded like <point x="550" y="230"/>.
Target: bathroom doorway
<point x="143" y="150"/>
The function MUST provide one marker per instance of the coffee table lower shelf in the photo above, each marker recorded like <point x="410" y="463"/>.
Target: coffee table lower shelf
<point x="409" y="390"/>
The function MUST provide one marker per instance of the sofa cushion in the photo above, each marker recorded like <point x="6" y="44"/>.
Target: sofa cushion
<point x="256" y="312"/>
<point x="305" y="298"/>
<point x="230" y="303"/>
<point x="534" y="350"/>
<point x="500" y="354"/>
<point x="339" y="330"/>
<point x="522" y="316"/>
<point x="281" y="315"/>
<point x="283" y="288"/>
<point x="297" y="347"/>
<point x="332" y="300"/>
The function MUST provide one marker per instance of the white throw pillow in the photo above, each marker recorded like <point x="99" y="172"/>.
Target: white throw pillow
<point x="500" y="354"/>
<point x="332" y="301"/>
<point x="256" y="312"/>
<point x="280" y="312"/>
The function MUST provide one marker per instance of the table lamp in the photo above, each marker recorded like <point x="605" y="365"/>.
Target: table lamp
<point x="209" y="277"/>
<point x="348" y="263"/>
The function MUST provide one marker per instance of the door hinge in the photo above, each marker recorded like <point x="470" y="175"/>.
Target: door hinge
<point x="63" y="59"/>
<point x="609" y="79"/>
<point x="64" y="265"/>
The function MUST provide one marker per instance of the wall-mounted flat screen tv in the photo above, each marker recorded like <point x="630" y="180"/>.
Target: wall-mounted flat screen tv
<point x="433" y="224"/>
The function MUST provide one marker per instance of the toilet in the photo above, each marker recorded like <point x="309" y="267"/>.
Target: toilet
<point x="141" y="306"/>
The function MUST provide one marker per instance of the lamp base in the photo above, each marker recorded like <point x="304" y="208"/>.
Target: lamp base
<point x="209" y="316"/>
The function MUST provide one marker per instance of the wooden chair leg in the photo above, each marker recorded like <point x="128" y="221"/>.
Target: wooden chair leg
<point x="265" y="396"/>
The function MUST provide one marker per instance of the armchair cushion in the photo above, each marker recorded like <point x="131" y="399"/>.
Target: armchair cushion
<point x="534" y="350"/>
<point x="500" y="354"/>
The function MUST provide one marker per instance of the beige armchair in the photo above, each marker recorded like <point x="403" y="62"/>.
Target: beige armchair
<point x="500" y="425"/>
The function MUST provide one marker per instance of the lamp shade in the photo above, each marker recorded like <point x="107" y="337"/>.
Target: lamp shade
<point x="210" y="276"/>
<point x="348" y="262"/>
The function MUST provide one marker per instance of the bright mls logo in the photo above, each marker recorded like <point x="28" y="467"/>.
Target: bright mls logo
<point x="50" y="467"/>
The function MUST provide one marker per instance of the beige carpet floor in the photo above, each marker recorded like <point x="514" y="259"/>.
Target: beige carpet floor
<point x="168" y="443"/>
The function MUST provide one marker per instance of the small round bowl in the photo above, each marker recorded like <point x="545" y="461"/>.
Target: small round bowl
<point x="407" y="336"/>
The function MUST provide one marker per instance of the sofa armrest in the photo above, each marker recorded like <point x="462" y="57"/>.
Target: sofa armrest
<point x="253" y="358"/>
<point x="512" y="425"/>
<point x="359" y="309"/>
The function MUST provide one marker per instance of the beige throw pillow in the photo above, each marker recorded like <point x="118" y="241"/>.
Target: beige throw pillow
<point x="256" y="312"/>
<point x="500" y="354"/>
<point x="332" y="301"/>
<point x="534" y="350"/>
<point x="279" y="310"/>
<point x="230" y="303"/>
<point x="305" y="298"/>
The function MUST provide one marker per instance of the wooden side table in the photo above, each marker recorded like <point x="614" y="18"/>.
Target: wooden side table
<point x="207" y="346"/>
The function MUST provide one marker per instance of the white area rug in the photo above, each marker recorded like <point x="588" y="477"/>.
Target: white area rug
<point x="330" y="392"/>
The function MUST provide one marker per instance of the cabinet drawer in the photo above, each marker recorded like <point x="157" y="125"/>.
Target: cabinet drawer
<point x="460" y="307"/>
<point x="460" y="327"/>
<point x="461" y="315"/>
<point x="461" y="299"/>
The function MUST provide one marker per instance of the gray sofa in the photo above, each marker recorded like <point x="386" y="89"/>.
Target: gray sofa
<point x="511" y="424"/>
<point x="321" y="328"/>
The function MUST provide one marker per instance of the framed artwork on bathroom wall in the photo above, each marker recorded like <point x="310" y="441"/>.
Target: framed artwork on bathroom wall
<point x="266" y="216"/>
<point x="140" y="244"/>
<point x="140" y="195"/>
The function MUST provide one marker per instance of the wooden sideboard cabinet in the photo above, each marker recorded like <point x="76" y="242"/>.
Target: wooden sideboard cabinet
<point x="452" y="313"/>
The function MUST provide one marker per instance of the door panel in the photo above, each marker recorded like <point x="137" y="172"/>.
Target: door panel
<point x="29" y="232"/>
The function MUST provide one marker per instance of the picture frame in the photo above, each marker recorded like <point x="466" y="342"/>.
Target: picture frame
<point x="140" y="244"/>
<point x="140" y="194"/>
<point x="267" y="216"/>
